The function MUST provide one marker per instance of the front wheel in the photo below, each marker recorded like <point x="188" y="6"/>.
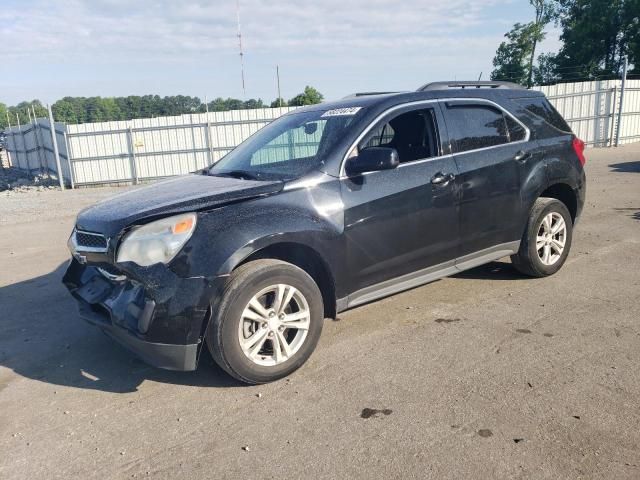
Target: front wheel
<point x="267" y="323"/>
<point x="547" y="239"/>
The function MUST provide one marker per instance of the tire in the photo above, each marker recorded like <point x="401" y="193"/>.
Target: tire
<point x="530" y="260"/>
<point x="235" y="320"/>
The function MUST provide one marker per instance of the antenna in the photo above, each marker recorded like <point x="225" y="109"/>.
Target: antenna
<point x="278" y="80"/>
<point x="244" y="91"/>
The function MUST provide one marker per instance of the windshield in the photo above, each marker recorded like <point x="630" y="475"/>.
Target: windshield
<point x="287" y="148"/>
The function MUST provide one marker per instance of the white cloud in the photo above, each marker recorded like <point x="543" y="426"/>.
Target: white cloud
<point x="121" y="47"/>
<point x="175" y="29"/>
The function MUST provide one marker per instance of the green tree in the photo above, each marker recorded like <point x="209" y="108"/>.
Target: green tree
<point x="63" y="111"/>
<point x="103" y="109"/>
<point x="512" y="57"/>
<point x="545" y="12"/>
<point x="94" y="111"/>
<point x="24" y="112"/>
<point x="279" y="102"/>
<point x="78" y="108"/>
<point x="631" y="33"/>
<point x="3" y="116"/>
<point x="233" y="104"/>
<point x="310" y="96"/>
<point x="36" y="107"/>
<point x="514" y="60"/>
<point x="544" y="72"/>
<point x="596" y="35"/>
<point x="217" y="105"/>
<point x="253" y="103"/>
<point x="111" y="109"/>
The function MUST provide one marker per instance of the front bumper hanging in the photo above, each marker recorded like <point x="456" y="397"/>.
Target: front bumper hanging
<point x="164" y="327"/>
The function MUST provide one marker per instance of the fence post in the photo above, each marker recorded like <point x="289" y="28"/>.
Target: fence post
<point x="613" y="116"/>
<point x="193" y="141"/>
<point x="132" y="156"/>
<point x="624" y="79"/>
<point x="66" y="147"/>
<point x="25" y="133"/>
<point x="56" y="153"/>
<point x="36" y="128"/>
<point x="13" y="140"/>
<point x="16" y="145"/>
<point x="209" y="140"/>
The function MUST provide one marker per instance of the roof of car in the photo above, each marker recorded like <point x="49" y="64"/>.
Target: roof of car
<point x="438" y="90"/>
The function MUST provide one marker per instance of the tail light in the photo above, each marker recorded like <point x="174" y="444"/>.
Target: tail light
<point x="578" y="147"/>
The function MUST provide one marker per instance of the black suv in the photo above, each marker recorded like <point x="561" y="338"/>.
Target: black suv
<point x="326" y="208"/>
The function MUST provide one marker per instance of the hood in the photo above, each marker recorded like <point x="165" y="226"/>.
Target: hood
<point x="182" y="194"/>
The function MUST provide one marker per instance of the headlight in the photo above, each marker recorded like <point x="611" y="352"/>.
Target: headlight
<point x="157" y="242"/>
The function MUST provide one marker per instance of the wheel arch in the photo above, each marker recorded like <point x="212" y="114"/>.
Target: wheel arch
<point x="308" y="259"/>
<point x="564" y="193"/>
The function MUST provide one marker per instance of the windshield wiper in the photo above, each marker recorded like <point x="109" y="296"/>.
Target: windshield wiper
<point x="243" y="174"/>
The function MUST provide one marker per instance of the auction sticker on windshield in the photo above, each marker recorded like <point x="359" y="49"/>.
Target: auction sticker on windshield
<point x="336" y="112"/>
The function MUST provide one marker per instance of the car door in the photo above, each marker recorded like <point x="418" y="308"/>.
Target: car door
<point x="401" y="220"/>
<point x="487" y="155"/>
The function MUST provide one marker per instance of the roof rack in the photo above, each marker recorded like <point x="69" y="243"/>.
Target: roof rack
<point x="469" y="85"/>
<point x="364" y="94"/>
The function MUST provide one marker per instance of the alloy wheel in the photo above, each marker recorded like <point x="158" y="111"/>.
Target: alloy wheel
<point x="551" y="238"/>
<point x="274" y="325"/>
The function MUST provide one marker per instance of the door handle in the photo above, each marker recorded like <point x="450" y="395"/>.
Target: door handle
<point x="442" y="179"/>
<point x="522" y="156"/>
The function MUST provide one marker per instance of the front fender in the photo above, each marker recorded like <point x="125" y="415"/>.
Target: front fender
<point x="224" y="237"/>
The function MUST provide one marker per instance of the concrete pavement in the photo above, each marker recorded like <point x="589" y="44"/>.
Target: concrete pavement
<point x="484" y="375"/>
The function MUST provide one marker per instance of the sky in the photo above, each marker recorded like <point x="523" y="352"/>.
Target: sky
<point x="135" y="47"/>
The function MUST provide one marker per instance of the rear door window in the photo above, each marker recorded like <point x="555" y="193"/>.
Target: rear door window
<point x="475" y="126"/>
<point x="516" y="131"/>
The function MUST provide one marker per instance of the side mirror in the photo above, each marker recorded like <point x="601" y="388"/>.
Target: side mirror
<point x="373" y="159"/>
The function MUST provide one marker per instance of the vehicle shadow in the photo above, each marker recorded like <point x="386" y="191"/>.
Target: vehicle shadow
<point x="44" y="339"/>
<point x="493" y="271"/>
<point x="626" y="167"/>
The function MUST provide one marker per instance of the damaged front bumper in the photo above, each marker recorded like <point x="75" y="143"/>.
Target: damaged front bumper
<point x="153" y="312"/>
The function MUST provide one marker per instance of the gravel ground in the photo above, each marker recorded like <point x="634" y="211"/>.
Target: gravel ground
<point x="32" y="205"/>
<point x="14" y="181"/>
<point x="482" y="375"/>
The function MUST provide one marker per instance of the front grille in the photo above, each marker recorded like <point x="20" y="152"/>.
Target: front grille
<point x="90" y="240"/>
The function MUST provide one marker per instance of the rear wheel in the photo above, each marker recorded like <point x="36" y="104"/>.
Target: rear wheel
<point x="547" y="239"/>
<point x="268" y="321"/>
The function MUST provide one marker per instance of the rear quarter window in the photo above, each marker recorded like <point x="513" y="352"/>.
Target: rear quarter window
<point x="542" y="108"/>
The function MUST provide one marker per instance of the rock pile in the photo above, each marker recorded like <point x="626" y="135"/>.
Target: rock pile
<point x="14" y="180"/>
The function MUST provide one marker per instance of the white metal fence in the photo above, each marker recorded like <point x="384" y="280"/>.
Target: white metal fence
<point x="136" y="150"/>
<point x="591" y="109"/>
<point x="145" y="149"/>
<point x="30" y="147"/>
